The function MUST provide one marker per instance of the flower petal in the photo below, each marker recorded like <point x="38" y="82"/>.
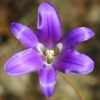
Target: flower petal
<point x="23" y="62"/>
<point x="73" y="62"/>
<point x="25" y="35"/>
<point x="49" y="25"/>
<point x="47" y="79"/>
<point x="76" y="36"/>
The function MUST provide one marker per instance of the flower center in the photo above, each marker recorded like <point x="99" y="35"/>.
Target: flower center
<point x="49" y="54"/>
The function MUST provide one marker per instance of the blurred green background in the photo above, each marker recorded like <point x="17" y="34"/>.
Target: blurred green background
<point x="73" y="13"/>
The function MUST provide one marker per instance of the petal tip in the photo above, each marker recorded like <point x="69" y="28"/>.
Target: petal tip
<point x="15" y="28"/>
<point x="6" y="70"/>
<point x="89" y="31"/>
<point x="47" y="90"/>
<point x="14" y="24"/>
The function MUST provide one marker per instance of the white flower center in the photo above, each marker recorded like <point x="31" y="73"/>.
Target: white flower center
<point x="49" y="54"/>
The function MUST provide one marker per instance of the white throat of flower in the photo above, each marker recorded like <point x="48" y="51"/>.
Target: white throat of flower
<point x="49" y="54"/>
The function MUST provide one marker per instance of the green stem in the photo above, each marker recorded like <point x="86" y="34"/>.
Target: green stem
<point x="76" y="90"/>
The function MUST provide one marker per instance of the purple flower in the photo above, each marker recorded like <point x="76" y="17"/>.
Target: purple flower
<point x="48" y="51"/>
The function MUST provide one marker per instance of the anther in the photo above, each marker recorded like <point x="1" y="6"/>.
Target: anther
<point x="49" y="54"/>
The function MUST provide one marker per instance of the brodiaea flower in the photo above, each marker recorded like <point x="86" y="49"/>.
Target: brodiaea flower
<point x="48" y="51"/>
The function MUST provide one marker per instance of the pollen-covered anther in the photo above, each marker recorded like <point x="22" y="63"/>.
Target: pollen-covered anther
<point x="49" y="54"/>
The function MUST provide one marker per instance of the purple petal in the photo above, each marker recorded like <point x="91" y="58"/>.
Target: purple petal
<point x="73" y="62"/>
<point x="25" y="35"/>
<point x="49" y="25"/>
<point x="23" y="62"/>
<point x="76" y="36"/>
<point x="47" y="79"/>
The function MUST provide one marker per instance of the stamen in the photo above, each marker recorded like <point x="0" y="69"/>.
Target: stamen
<point x="49" y="54"/>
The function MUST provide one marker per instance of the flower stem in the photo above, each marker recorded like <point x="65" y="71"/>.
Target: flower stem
<point x="76" y="90"/>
